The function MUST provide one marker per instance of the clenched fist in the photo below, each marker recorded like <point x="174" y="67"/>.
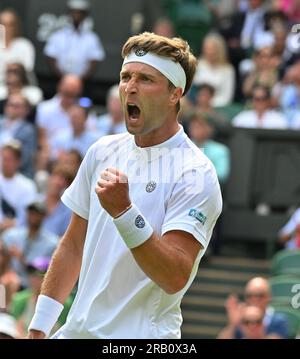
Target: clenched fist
<point x="113" y="191"/>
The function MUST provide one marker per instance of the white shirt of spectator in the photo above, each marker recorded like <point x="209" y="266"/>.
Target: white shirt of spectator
<point x="53" y="118"/>
<point x="74" y="49"/>
<point x="115" y="298"/>
<point x="20" y="51"/>
<point x="290" y="228"/>
<point x="270" y="120"/>
<point x="32" y="93"/>
<point x="221" y="78"/>
<point x="19" y="191"/>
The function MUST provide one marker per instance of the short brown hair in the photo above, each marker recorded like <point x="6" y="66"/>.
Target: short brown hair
<point x="176" y="48"/>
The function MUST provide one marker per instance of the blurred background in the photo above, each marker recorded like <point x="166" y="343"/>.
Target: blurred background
<point x="59" y="71"/>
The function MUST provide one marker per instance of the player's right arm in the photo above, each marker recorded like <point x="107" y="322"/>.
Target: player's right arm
<point x="65" y="266"/>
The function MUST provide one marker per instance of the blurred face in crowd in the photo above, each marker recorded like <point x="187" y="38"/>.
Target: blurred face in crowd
<point x="10" y="163"/>
<point x="257" y="293"/>
<point x="200" y="130"/>
<point x="254" y="4"/>
<point x="77" y="16"/>
<point x="34" y="219"/>
<point x="210" y="51"/>
<point x="260" y="100"/>
<point x="56" y="184"/>
<point x="252" y="323"/>
<point x="35" y="280"/>
<point x="16" y="107"/>
<point x="10" y="22"/>
<point x="165" y="28"/>
<point x="204" y="97"/>
<point x="69" y="90"/>
<point x="263" y="60"/>
<point x="13" y="83"/>
<point x="78" y="118"/>
<point x="115" y="109"/>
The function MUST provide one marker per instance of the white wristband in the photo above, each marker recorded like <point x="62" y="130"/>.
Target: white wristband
<point x="47" y="311"/>
<point x="133" y="227"/>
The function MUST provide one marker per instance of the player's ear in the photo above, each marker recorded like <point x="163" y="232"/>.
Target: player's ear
<point x="176" y="95"/>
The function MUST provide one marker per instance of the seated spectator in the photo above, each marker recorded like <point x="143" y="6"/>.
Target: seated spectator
<point x="58" y="215"/>
<point x="164" y="27"/>
<point x="113" y="122"/>
<point x="214" y="69"/>
<point x="71" y="159"/>
<point x="79" y="138"/>
<point x="8" y="277"/>
<point x="289" y="236"/>
<point x="258" y="294"/>
<point x="265" y="72"/>
<point x="53" y="116"/>
<point x="201" y="132"/>
<point x="64" y="46"/>
<point x="291" y="8"/>
<point x="252" y="324"/>
<point x="18" y="49"/>
<point x="13" y="126"/>
<point x="24" y="302"/>
<point x="8" y="327"/>
<point x="204" y="98"/>
<point x="25" y="243"/>
<point x="16" y="82"/>
<point x="262" y="116"/>
<point x="16" y="191"/>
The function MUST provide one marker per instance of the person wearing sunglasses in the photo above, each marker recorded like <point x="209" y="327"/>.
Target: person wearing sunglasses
<point x="257" y="293"/>
<point x="261" y="115"/>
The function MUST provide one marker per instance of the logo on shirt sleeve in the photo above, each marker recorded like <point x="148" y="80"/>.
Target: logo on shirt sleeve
<point x="198" y="215"/>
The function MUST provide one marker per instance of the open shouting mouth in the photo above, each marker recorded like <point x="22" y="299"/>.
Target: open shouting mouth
<point x="133" y="112"/>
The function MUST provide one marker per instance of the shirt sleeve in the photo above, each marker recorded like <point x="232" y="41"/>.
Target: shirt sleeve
<point x="77" y="196"/>
<point x="292" y="224"/>
<point x="51" y="48"/>
<point x="195" y="204"/>
<point x="96" y="49"/>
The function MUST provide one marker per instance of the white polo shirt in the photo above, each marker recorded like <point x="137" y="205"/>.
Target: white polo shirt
<point x="74" y="49"/>
<point x="176" y="188"/>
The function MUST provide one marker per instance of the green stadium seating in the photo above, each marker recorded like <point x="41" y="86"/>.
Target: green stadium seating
<point x="286" y="262"/>
<point x="283" y="289"/>
<point x="293" y="319"/>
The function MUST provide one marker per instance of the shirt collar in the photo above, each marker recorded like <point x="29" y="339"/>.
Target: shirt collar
<point x="154" y="152"/>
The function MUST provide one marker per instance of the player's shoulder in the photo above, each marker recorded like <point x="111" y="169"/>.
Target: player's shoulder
<point x="194" y="155"/>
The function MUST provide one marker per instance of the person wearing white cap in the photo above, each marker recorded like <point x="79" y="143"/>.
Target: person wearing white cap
<point x="75" y="49"/>
<point x="144" y="206"/>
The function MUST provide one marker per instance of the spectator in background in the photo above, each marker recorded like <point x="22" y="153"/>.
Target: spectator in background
<point x="291" y="8"/>
<point x="16" y="190"/>
<point x="252" y="324"/>
<point x="24" y="302"/>
<point x="25" y="243"/>
<point x="214" y="69"/>
<point x="258" y="294"/>
<point x="71" y="159"/>
<point x="78" y="138"/>
<point x="16" y="82"/>
<point x="8" y="277"/>
<point x="204" y="97"/>
<point x="75" y="49"/>
<point x="53" y="116"/>
<point x="13" y="126"/>
<point x="58" y="215"/>
<point x="262" y="116"/>
<point x="113" y="121"/>
<point x="18" y="49"/>
<point x="164" y="27"/>
<point x="289" y="236"/>
<point x="201" y="131"/>
<point x="264" y="73"/>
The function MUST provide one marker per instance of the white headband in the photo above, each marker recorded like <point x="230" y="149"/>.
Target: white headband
<point x="169" y="68"/>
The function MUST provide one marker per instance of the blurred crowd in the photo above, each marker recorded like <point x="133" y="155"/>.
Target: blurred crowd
<point x="250" y="60"/>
